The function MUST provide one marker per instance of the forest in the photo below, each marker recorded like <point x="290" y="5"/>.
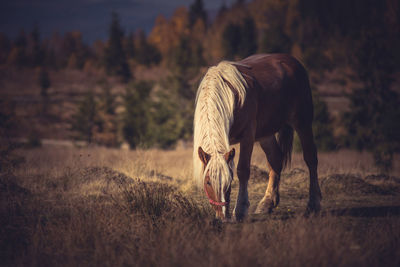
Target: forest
<point x="142" y="86"/>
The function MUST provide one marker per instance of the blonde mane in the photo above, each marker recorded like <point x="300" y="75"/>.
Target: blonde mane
<point x="213" y="118"/>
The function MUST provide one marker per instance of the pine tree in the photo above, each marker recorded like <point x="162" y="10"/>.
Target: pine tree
<point x="38" y="52"/>
<point x="231" y="38"/>
<point x="240" y="40"/>
<point x="18" y="56"/>
<point x="167" y="119"/>
<point x="197" y="11"/>
<point x="86" y="118"/>
<point x="274" y="40"/>
<point x="322" y="125"/>
<point x="248" y="40"/>
<point x="5" y="46"/>
<point x="146" y="53"/>
<point x="44" y="83"/>
<point x="115" y="58"/>
<point x="107" y="132"/>
<point x="130" y="47"/>
<point x="373" y="119"/>
<point x="137" y="118"/>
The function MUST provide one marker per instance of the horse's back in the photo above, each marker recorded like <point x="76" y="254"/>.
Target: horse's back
<point x="279" y="84"/>
<point x="274" y="71"/>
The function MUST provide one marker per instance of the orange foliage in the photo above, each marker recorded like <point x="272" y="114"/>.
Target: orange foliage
<point x="166" y="34"/>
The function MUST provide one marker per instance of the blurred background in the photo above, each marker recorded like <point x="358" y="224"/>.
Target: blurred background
<point x="124" y="73"/>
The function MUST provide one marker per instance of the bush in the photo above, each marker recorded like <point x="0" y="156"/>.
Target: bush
<point x="86" y="118"/>
<point x="137" y="119"/>
<point x="373" y="119"/>
<point x="373" y="124"/>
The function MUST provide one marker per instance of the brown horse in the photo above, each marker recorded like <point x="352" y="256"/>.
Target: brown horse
<point x="260" y="98"/>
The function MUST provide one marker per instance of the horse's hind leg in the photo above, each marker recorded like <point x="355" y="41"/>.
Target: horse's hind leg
<point x="274" y="160"/>
<point x="310" y="157"/>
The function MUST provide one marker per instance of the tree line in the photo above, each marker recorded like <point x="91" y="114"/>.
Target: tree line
<point x="361" y="36"/>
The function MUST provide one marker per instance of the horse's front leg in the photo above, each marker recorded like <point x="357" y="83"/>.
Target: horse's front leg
<point x="243" y="172"/>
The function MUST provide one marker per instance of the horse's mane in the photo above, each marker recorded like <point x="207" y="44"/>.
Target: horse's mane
<point x="213" y="118"/>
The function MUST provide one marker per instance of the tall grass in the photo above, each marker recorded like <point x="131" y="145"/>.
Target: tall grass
<point x="82" y="212"/>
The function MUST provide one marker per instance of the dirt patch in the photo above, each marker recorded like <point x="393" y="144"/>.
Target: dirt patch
<point x="258" y="175"/>
<point x="352" y="185"/>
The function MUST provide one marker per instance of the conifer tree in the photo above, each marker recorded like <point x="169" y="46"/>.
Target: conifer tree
<point x="85" y="119"/>
<point x="137" y="118"/>
<point x="248" y="40"/>
<point x="37" y="52"/>
<point x="18" y="55"/>
<point x="107" y="132"/>
<point x="44" y="83"/>
<point x="373" y="119"/>
<point x="5" y="46"/>
<point x="146" y="53"/>
<point x="197" y="11"/>
<point x="130" y="47"/>
<point x="231" y="38"/>
<point x="115" y="58"/>
<point x="322" y="125"/>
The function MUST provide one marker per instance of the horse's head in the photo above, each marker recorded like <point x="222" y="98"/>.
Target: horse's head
<point x="217" y="180"/>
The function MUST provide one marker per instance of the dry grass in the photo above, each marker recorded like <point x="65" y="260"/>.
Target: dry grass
<point x="104" y="207"/>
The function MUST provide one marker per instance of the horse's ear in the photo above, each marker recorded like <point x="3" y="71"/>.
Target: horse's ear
<point x="230" y="155"/>
<point x="204" y="157"/>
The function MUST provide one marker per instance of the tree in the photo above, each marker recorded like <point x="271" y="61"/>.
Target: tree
<point x="137" y="119"/>
<point x="196" y="12"/>
<point x="37" y="51"/>
<point x="322" y="125"/>
<point x="231" y="40"/>
<point x="107" y="132"/>
<point x="146" y="53"/>
<point x="186" y="58"/>
<point x="373" y="119"/>
<point x="248" y="40"/>
<point x="5" y="46"/>
<point x="115" y="59"/>
<point x="18" y="55"/>
<point x="274" y="40"/>
<point x="74" y="51"/>
<point x="86" y="118"/>
<point x="130" y="46"/>
<point x="169" y="124"/>
<point x="44" y="83"/>
<point x="240" y="39"/>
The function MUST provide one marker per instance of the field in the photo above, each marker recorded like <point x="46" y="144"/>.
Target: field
<point x="104" y="207"/>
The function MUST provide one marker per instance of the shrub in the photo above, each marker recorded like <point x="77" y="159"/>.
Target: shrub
<point x="373" y="119"/>
<point x="137" y="119"/>
<point x="86" y="118"/>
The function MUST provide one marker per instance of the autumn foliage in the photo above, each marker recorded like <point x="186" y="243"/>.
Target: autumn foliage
<point x="324" y="35"/>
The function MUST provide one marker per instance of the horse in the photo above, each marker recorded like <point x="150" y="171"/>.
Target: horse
<point x="263" y="98"/>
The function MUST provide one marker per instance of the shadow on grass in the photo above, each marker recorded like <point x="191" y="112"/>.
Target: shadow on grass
<point x="368" y="212"/>
<point x="360" y="212"/>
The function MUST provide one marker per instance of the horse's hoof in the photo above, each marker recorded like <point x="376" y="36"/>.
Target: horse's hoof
<point x="240" y="211"/>
<point x="312" y="208"/>
<point x="265" y="206"/>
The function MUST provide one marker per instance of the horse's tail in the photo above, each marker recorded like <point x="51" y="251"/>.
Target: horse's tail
<point x="285" y="142"/>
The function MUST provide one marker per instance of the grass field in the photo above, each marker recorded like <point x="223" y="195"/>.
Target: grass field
<point x="106" y="207"/>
